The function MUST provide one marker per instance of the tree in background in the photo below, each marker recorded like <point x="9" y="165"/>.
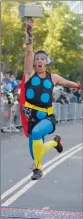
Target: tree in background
<point x="64" y="41"/>
<point x="58" y="32"/>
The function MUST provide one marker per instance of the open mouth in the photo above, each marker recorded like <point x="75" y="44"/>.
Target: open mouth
<point x="39" y="66"/>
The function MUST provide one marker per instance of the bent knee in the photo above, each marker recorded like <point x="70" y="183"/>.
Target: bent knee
<point x="36" y="135"/>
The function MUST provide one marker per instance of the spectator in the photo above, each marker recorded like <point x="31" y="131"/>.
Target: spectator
<point x="77" y="95"/>
<point x="57" y="92"/>
<point x="14" y="83"/>
<point x="63" y="98"/>
<point x="15" y="113"/>
<point x="10" y="98"/>
<point x="3" y="99"/>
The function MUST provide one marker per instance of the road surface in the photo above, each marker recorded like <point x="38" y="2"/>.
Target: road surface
<point x="59" y="193"/>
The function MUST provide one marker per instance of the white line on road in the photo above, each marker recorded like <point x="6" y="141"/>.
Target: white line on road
<point x="61" y="160"/>
<point x="25" y="179"/>
<point x="30" y="184"/>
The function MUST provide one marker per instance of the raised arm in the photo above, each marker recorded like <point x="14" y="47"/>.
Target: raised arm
<point x="28" y="61"/>
<point x="66" y="83"/>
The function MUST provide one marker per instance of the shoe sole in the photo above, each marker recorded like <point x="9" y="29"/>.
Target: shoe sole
<point x="59" y="148"/>
<point x="34" y="178"/>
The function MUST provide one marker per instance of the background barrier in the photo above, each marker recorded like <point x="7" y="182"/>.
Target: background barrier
<point x="10" y="118"/>
<point x="67" y="112"/>
<point x="11" y="121"/>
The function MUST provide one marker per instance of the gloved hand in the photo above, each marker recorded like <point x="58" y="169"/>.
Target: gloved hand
<point x="29" y="27"/>
<point x="29" y="24"/>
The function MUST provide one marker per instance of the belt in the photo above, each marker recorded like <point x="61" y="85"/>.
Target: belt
<point x="49" y="110"/>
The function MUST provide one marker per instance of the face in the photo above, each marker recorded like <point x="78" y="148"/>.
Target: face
<point x="40" y="64"/>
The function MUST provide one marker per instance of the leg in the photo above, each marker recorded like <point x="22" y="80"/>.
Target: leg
<point x="31" y="146"/>
<point x="55" y="143"/>
<point x="39" y="131"/>
<point x="31" y="150"/>
<point x="43" y="128"/>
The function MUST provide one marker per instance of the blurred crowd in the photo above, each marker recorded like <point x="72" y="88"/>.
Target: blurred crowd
<point x="10" y="99"/>
<point x="66" y="95"/>
<point x="9" y="89"/>
<point x="10" y="92"/>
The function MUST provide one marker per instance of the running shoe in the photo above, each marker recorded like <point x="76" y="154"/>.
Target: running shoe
<point x="37" y="173"/>
<point x="59" y="147"/>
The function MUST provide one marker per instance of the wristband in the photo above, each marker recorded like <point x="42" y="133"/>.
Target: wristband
<point x="79" y="86"/>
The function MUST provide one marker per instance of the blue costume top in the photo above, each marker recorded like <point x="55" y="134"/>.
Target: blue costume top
<point x="38" y="91"/>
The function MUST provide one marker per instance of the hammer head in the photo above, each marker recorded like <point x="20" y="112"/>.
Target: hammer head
<point x="30" y="10"/>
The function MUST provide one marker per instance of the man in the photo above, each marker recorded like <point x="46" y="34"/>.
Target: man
<point x="14" y="83"/>
<point x="38" y="101"/>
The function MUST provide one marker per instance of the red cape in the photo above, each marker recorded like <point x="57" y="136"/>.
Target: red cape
<point x="24" y="119"/>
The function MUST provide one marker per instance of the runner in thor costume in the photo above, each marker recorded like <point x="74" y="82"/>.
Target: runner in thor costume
<point x="36" y="102"/>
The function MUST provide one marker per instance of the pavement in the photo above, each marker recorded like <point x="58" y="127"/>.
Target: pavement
<point x="59" y="193"/>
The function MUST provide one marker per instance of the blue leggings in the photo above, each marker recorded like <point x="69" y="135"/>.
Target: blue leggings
<point x="43" y="128"/>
